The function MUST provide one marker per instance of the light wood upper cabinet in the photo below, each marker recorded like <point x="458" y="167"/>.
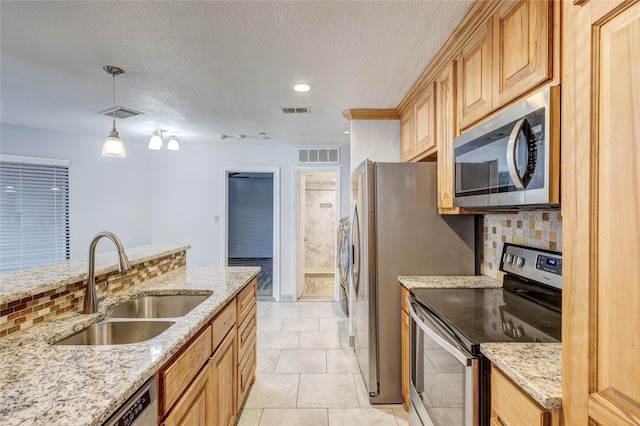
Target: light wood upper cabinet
<point x="522" y="48"/>
<point x="475" y="76"/>
<point x="601" y="204"/>
<point x="425" y="121"/>
<point x="407" y="145"/>
<point x="447" y="130"/>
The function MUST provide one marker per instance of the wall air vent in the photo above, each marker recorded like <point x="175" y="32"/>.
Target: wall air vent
<point x="121" y="112"/>
<point x="328" y="156"/>
<point x="295" y="110"/>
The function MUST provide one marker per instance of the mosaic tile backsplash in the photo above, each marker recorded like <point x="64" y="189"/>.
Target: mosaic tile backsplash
<point x="540" y="229"/>
<point x="24" y="313"/>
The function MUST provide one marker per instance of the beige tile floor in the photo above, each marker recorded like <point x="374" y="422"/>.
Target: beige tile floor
<point x="306" y="373"/>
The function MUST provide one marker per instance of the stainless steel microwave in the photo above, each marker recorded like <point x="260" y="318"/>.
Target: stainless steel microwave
<point x="511" y="160"/>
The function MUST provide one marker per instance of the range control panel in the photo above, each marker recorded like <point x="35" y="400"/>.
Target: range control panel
<point x="551" y="264"/>
<point x="539" y="265"/>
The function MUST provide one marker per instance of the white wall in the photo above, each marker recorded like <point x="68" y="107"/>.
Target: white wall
<point x="188" y="192"/>
<point x="377" y="140"/>
<point x="111" y="194"/>
<point x="161" y="196"/>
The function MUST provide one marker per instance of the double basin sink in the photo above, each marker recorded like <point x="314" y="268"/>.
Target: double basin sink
<point x="136" y="320"/>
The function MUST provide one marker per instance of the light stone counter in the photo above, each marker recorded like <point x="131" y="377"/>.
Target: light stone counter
<point x="535" y="367"/>
<point x="41" y="384"/>
<point x="466" y="281"/>
<point x="28" y="282"/>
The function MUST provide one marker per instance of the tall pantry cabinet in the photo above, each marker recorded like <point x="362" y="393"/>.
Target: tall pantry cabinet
<point x="600" y="210"/>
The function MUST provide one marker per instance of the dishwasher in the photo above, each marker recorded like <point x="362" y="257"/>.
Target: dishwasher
<point x="139" y="410"/>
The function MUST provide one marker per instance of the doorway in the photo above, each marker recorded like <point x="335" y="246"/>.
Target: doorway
<point x="317" y="207"/>
<point x="251" y="225"/>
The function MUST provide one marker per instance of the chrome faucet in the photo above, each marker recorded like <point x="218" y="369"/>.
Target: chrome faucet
<point x="91" y="298"/>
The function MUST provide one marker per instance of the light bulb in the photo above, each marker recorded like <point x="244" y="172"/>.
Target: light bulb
<point x="113" y="146"/>
<point x="173" y="144"/>
<point x="155" y="143"/>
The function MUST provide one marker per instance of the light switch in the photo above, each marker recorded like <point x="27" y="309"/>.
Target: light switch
<point x="216" y="218"/>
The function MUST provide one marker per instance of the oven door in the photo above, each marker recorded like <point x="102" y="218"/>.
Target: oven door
<point x="443" y="376"/>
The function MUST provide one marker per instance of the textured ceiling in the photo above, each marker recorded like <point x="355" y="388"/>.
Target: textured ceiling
<point x="202" y="69"/>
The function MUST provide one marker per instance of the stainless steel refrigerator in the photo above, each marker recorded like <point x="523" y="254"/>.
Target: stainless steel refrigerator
<point x="396" y="230"/>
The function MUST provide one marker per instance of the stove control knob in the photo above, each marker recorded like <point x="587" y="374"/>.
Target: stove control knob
<point x="518" y="261"/>
<point x="518" y="332"/>
<point x="507" y="326"/>
<point x="508" y="258"/>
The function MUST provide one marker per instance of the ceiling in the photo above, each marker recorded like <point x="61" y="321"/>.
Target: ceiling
<point x="208" y="68"/>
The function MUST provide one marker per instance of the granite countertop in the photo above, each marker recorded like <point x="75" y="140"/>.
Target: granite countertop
<point x="41" y="384"/>
<point x="28" y="282"/>
<point x="535" y="367"/>
<point x="466" y="281"/>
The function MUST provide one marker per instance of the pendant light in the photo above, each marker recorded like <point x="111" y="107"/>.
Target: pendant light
<point x="157" y="140"/>
<point x="113" y="145"/>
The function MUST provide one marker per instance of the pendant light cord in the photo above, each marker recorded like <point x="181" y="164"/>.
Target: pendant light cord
<point x="113" y="113"/>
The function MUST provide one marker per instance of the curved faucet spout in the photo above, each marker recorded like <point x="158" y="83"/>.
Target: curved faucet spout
<point x="91" y="298"/>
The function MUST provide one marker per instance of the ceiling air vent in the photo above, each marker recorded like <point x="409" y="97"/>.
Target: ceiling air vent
<point x="329" y="156"/>
<point x="121" y="112"/>
<point x="295" y="110"/>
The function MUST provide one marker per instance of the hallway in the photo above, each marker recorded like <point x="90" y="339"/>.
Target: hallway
<point x="307" y="374"/>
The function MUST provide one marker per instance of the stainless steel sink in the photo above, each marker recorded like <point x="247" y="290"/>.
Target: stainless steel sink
<point x="158" y="306"/>
<point x="117" y="333"/>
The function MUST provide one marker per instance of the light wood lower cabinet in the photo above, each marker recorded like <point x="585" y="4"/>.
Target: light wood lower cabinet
<point x="194" y="408"/>
<point x="511" y="406"/>
<point x="404" y="343"/>
<point x="206" y="382"/>
<point x="222" y="373"/>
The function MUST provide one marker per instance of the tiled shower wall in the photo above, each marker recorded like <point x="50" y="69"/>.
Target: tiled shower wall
<point x="320" y="198"/>
<point x="540" y="229"/>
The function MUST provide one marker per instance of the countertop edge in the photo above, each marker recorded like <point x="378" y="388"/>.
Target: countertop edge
<point x="542" y="381"/>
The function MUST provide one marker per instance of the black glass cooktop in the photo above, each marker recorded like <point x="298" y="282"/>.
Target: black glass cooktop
<point x="490" y="315"/>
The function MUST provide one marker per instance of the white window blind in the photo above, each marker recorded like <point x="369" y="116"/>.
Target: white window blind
<point x="34" y="212"/>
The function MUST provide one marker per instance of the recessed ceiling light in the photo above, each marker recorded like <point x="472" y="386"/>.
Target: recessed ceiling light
<point x="302" y="87"/>
<point x="346" y="132"/>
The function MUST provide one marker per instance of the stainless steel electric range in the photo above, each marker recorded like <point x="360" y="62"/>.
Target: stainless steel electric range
<point x="449" y="377"/>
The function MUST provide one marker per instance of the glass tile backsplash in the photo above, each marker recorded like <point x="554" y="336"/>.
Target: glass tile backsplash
<point x="539" y="229"/>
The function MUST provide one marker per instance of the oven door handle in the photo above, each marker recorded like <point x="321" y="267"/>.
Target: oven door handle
<point x="439" y="335"/>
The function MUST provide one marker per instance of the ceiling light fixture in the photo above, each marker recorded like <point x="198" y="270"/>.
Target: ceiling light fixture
<point x="157" y="140"/>
<point x="261" y="135"/>
<point x="113" y="145"/>
<point x="302" y="87"/>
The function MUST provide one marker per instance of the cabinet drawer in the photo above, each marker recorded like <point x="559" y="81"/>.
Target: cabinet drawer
<point x="246" y="332"/>
<point x="246" y="371"/>
<point x="246" y="299"/>
<point x="222" y="323"/>
<point x="404" y="295"/>
<point x="177" y="376"/>
<point x="511" y="406"/>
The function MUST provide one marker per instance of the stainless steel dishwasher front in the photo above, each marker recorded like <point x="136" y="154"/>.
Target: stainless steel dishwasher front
<point x="139" y="410"/>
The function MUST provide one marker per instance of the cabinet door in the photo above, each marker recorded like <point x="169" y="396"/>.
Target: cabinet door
<point x="404" y="343"/>
<point x="600" y="205"/>
<point x="446" y="84"/>
<point x="194" y="407"/>
<point x="522" y="48"/>
<point x="407" y="144"/>
<point x="510" y="406"/>
<point x="474" y="77"/>
<point x="425" y="121"/>
<point x="223" y="380"/>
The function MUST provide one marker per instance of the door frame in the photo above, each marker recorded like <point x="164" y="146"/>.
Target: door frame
<point x="297" y="171"/>
<point x="226" y="170"/>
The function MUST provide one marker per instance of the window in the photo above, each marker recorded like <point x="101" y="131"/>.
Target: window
<point x="34" y="212"/>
